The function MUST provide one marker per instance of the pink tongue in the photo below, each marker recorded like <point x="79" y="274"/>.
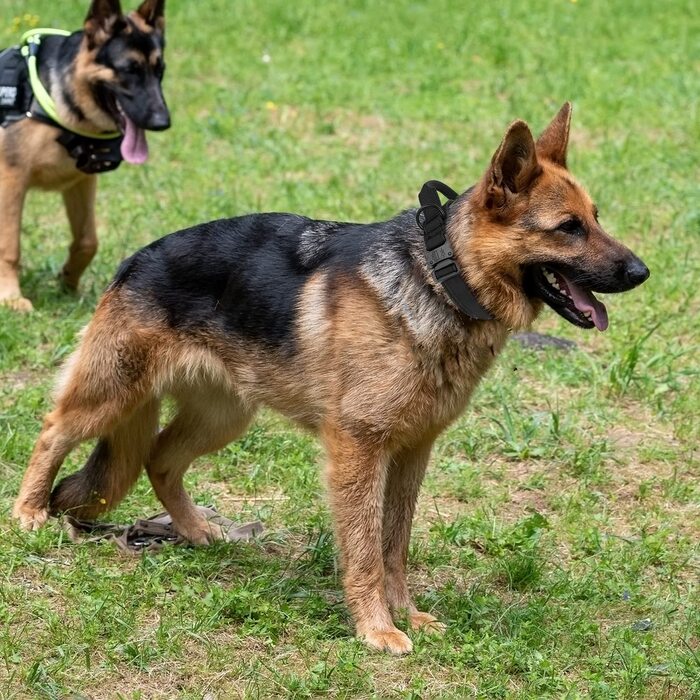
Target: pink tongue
<point x="585" y="301"/>
<point x="134" y="147"/>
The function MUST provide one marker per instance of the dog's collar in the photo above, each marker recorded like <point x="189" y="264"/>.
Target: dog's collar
<point x="30" y="43"/>
<point x="431" y="218"/>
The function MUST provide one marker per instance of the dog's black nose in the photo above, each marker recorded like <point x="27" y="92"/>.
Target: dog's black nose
<point x="160" y="121"/>
<point x="636" y="272"/>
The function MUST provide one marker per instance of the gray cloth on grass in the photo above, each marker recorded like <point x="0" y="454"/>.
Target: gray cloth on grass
<point x="151" y="534"/>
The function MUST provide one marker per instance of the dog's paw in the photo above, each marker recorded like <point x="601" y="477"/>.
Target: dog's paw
<point x="200" y="532"/>
<point x="30" y="517"/>
<point x="17" y="304"/>
<point x="69" y="282"/>
<point x="425" y="622"/>
<point x="392" y="640"/>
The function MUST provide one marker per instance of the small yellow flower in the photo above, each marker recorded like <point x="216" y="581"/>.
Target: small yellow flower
<point x="271" y="106"/>
<point x="440" y="45"/>
<point x="103" y="501"/>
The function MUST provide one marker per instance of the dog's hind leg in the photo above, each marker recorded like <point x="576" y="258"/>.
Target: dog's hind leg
<point x="106" y="393"/>
<point x="112" y="468"/>
<point x="208" y="419"/>
<point x="54" y="443"/>
<point x="356" y="477"/>
<point x="13" y="189"/>
<point x="404" y="478"/>
<point x="80" y="207"/>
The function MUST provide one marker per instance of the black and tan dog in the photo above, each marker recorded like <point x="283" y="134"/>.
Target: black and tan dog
<point x="341" y="327"/>
<point x="104" y="78"/>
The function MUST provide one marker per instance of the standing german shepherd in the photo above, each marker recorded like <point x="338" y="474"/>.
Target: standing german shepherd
<point x="104" y="78"/>
<point x="339" y="326"/>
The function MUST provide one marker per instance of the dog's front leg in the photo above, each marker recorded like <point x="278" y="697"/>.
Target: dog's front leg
<point x="13" y="188"/>
<point x="356" y="479"/>
<point x="80" y="207"/>
<point x="405" y="475"/>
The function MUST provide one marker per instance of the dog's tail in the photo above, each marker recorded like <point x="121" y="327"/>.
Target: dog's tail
<point x="112" y="469"/>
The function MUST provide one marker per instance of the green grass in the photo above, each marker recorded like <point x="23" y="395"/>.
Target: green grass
<point x="560" y="513"/>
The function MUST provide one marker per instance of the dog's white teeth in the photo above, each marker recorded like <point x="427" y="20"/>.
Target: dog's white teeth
<point x="587" y="314"/>
<point x="552" y="279"/>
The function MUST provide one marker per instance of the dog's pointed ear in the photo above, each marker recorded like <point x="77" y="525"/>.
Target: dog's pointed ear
<point x="153" y="13"/>
<point x="553" y="142"/>
<point x="514" y="166"/>
<point x="104" y="20"/>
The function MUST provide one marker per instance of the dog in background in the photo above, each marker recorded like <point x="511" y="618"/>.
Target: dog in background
<point x="341" y="327"/>
<point x="104" y="78"/>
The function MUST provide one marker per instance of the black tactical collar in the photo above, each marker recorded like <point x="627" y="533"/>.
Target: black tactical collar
<point x="431" y="218"/>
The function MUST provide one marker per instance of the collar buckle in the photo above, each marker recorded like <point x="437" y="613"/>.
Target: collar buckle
<point x="439" y="255"/>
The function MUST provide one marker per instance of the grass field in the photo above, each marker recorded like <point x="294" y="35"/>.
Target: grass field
<point x="558" y="530"/>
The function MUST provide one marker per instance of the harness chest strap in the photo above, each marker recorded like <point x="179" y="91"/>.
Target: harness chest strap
<point x="431" y="218"/>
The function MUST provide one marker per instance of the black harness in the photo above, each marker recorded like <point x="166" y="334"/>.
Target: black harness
<point x="431" y="218"/>
<point x="17" y="102"/>
<point x="15" y="91"/>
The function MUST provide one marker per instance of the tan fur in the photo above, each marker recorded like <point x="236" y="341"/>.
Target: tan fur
<point x="140" y="22"/>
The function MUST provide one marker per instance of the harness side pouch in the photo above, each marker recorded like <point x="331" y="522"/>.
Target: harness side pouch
<point x="15" y="93"/>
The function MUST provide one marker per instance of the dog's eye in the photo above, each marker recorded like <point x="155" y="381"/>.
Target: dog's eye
<point x="573" y="226"/>
<point x="133" y="67"/>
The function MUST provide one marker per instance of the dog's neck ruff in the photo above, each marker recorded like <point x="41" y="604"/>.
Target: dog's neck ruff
<point x="431" y="219"/>
<point x="26" y="97"/>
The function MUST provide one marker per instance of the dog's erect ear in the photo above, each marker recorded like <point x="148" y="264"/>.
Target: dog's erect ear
<point x="152" y="12"/>
<point x="104" y="20"/>
<point x="554" y="140"/>
<point x="514" y="166"/>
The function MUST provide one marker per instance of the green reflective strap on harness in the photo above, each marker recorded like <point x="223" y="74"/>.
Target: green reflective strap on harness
<point x="33" y="38"/>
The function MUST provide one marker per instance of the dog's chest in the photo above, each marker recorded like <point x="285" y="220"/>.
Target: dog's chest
<point x="419" y="391"/>
<point x="454" y="368"/>
<point x="31" y="147"/>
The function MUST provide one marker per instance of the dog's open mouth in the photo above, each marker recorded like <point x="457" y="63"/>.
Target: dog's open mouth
<point x="570" y="300"/>
<point x="134" y="147"/>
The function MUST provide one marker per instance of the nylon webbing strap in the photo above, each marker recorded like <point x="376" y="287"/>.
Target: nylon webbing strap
<point x="431" y="218"/>
<point x="31" y="41"/>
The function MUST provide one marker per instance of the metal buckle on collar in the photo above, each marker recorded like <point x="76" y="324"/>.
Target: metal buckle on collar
<point x="441" y="260"/>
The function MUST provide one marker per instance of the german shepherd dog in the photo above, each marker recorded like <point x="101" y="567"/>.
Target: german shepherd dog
<point x="340" y="327"/>
<point x="106" y="77"/>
